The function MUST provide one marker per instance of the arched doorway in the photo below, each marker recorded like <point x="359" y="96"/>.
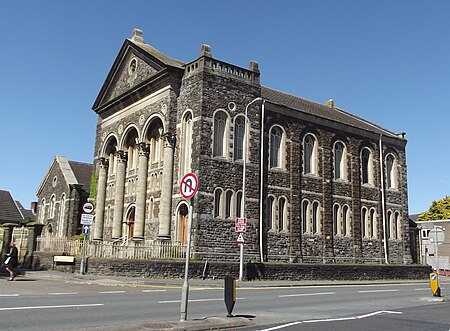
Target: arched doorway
<point x="183" y="216"/>
<point x="130" y="223"/>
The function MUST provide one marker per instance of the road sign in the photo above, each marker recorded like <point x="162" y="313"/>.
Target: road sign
<point x="240" y="224"/>
<point x="88" y="207"/>
<point x="434" y="284"/>
<point x="87" y="219"/>
<point x="240" y="238"/>
<point x="436" y="235"/>
<point x="86" y="229"/>
<point x="189" y="185"/>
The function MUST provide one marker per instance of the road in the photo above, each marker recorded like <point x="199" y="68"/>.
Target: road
<point x="58" y="304"/>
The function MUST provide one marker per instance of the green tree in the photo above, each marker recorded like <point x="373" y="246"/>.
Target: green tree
<point x="439" y="210"/>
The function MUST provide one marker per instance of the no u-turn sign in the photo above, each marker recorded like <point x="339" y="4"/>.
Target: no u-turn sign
<point x="189" y="185"/>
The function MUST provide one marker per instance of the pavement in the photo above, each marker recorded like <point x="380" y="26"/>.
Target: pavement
<point x="207" y="323"/>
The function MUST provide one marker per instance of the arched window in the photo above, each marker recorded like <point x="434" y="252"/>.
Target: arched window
<point x="276" y="137"/>
<point x="217" y="203"/>
<point x="42" y="210"/>
<point x="305" y="216"/>
<point x="186" y="144"/>
<point x="228" y="203"/>
<point x="282" y="214"/>
<point x="52" y="206"/>
<point x="62" y="214"/>
<point x="239" y="204"/>
<point x="373" y="223"/>
<point x="270" y="216"/>
<point x="364" y="222"/>
<point x="389" y="219"/>
<point x="316" y="226"/>
<point x="366" y="166"/>
<point x="398" y="225"/>
<point x="336" y="220"/>
<point x="239" y="134"/>
<point x="391" y="172"/>
<point x="346" y="221"/>
<point x="339" y="161"/>
<point x="220" y="129"/>
<point x="310" y="155"/>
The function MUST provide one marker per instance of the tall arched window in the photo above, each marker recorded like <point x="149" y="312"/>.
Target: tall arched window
<point x="220" y="129"/>
<point x="217" y="203"/>
<point x="239" y="134"/>
<point x="336" y="220"/>
<point x="282" y="219"/>
<point x="373" y="223"/>
<point x="364" y="222"/>
<point x="186" y="144"/>
<point x="239" y="204"/>
<point x="305" y="216"/>
<point x="339" y="161"/>
<point x="391" y="172"/>
<point x="346" y="220"/>
<point x="62" y="214"/>
<point x="228" y="203"/>
<point x="398" y="225"/>
<point x="366" y="166"/>
<point x="270" y="216"/>
<point x="316" y="226"/>
<point x="52" y="206"/>
<point x="310" y="155"/>
<point x="276" y="137"/>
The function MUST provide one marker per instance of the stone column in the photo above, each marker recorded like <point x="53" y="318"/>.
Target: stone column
<point x="100" y="198"/>
<point x="7" y="238"/>
<point x="165" y="210"/>
<point x="34" y="231"/>
<point x="141" y="194"/>
<point x="119" y="194"/>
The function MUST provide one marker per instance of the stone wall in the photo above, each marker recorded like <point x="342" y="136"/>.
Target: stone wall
<point x="252" y="271"/>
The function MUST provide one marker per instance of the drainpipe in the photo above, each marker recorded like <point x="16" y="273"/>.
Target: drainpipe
<point x="261" y="186"/>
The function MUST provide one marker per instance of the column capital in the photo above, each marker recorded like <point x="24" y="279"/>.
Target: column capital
<point x="143" y="149"/>
<point x="122" y="156"/>
<point x="103" y="163"/>
<point x="170" y="139"/>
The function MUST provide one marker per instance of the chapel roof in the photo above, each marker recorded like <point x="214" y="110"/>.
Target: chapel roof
<point x="9" y="212"/>
<point x="82" y="172"/>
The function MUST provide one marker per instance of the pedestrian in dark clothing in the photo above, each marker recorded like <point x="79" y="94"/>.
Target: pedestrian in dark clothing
<point x="12" y="260"/>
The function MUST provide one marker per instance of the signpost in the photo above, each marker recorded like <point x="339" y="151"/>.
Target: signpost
<point x="437" y="236"/>
<point x="188" y="188"/>
<point x="87" y="219"/>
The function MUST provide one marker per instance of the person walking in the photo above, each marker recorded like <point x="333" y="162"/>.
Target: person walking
<point x="12" y="260"/>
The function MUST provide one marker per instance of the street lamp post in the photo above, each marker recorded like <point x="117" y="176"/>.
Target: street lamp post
<point x="244" y="159"/>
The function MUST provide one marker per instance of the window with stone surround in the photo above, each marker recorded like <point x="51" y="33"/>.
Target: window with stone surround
<point x="391" y="172"/>
<point x="228" y="204"/>
<point x="373" y="222"/>
<point x="346" y="221"/>
<point x="310" y="155"/>
<point x="186" y="144"/>
<point x="277" y="142"/>
<point x="398" y="225"/>
<point x="282" y="214"/>
<point x="366" y="166"/>
<point x="364" y="222"/>
<point x="62" y="214"/>
<point x="220" y="146"/>
<point x="340" y="164"/>
<point x="239" y="204"/>
<point x="218" y="202"/>
<point x="337" y="220"/>
<point x="52" y="206"/>
<point x="306" y="217"/>
<point x="389" y="224"/>
<point x="42" y="210"/>
<point x="239" y="134"/>
<point x="270" y="213"/>
<point x="316" y="218"/>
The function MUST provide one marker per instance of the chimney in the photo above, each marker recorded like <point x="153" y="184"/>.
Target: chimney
<point x="329" y="103"/>
<point x="34" y="207"/>
<point x="137" y="36"/>
<point x="205" y="50"/>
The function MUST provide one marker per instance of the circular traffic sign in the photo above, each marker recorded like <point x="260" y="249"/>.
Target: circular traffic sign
<point x="88" y="207"/>
<point x="189" y="185"/>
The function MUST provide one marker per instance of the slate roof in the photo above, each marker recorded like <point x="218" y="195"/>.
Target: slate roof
<point x="320" y="110"/>
<point x="83" y="173"/>
<point x="158" y="55"/>
<point x="9" y="212"/>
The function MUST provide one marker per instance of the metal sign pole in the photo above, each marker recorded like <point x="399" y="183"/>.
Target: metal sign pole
<point x="185" y="290"/>
<point x="436" y="254"/>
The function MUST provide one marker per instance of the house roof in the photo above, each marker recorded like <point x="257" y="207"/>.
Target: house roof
<point x="316" y="109"/>
<point x="9" y="212"/>
<point x="82" y="172"/>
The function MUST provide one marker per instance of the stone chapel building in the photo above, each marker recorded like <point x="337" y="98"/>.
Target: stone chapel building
<point x="322" y="185"/>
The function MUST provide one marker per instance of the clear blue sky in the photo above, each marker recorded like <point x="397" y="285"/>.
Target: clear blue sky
<point x="386" y="61"/>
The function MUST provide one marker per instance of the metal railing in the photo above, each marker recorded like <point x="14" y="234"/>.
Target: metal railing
<point x="113" y="250"/>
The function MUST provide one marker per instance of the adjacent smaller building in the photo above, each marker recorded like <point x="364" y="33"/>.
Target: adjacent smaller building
<point x="428" y="246"/>
<point x="63" y="190"/>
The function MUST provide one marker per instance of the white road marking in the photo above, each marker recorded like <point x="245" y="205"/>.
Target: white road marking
<point x="52" y="307"/>
<point x="62" y="293"/>
<point x="377" y="291"/>
<point x="422" y="289"/>
<point x="196" y="300"/>
<point x="332" y="319"/>
<point x="9" y="295"/>
<point x="305" y="294"/>
<point x="147" y="291"/>
<point x="111" y="292"/>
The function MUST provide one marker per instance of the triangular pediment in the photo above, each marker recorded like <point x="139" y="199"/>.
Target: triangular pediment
<point x="136" y="64"/>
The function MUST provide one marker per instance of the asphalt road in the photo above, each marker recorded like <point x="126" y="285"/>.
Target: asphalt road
<point x="61" y="304"/>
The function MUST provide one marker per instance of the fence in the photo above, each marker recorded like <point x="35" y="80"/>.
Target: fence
<point x="113" y="250"/>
